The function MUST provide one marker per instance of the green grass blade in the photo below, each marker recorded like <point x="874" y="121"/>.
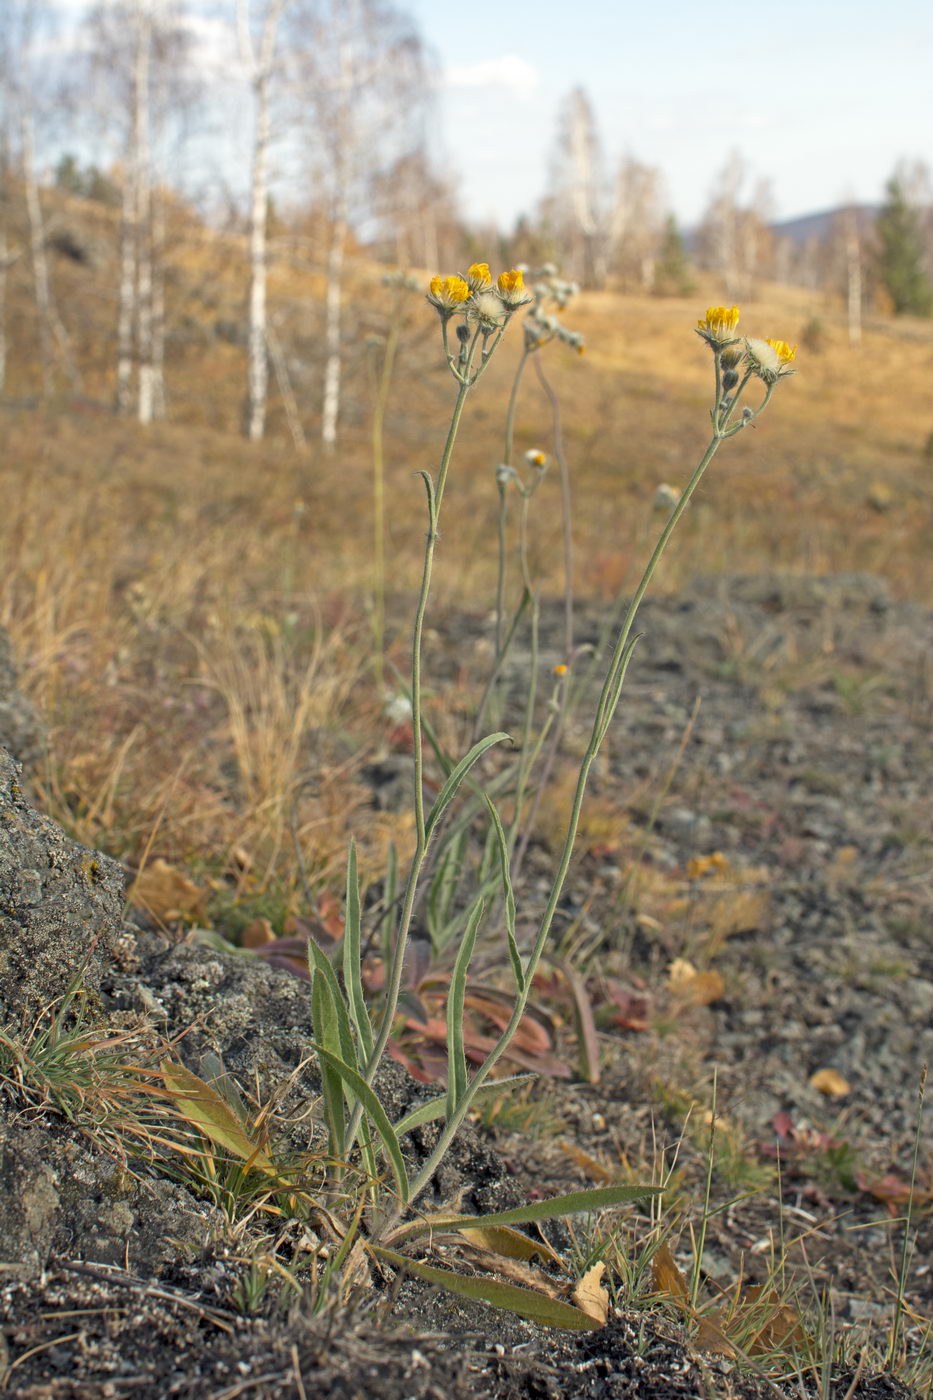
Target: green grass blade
<point x="352" y="959"/>
<point x="456" y="1054"/>
<point x="506" y="878"/>
<point x="523" y="1302"/>
<point x="449" y="791"/>
<point x="378" y="1117"/>
<point x="437" y="1108"/>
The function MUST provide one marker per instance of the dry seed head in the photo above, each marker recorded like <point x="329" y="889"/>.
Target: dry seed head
<point x="769" y="359"/>
<point x="487" y="309"/>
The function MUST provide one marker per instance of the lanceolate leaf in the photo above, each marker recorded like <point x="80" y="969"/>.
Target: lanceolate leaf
<point x="436" y="1108"/>
<point x="512" y="1244"/>
<point x="596" y="1198"/>
<point x="457" y="1065"/>
<point x="524" y="1302"/>
<point x="352" y="960"/>
<point x="212" y="1115"/>
<point x="376" y="1113"/>
<point x="517" y="969"/>
<point x="449" y="791"/>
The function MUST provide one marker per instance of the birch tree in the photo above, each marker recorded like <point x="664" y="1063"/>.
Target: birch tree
<point x="575" y="206"/>
<point x="735" y="239"/>
<point x="636" y="224"/>
<point x="366" y="81"/>
<point x="258" y="52"/>
<point x="138" y="71"/>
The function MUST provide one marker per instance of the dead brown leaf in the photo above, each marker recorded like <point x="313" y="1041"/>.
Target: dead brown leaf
<point x="257" y="934"/>
<point x="591" y="1294"/>
<point x="831" y="1083"/>
<point x="776" y="1324"/>
<point x="691" y="987"/>
<point x="667" y="1277"/>
<point x="710" y="1337"/>
<point x="167" y="894"/>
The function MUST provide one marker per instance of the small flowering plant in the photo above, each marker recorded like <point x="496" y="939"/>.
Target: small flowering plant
<point x="486" y="310"/>
<point x="350" y="1039"/>
<point x="766" y="360"/>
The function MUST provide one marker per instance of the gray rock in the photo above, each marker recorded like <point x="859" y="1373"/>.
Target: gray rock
<point x="21" y="730"/>
<point x="59" y="1195"/>
<point x="60" y="906"/>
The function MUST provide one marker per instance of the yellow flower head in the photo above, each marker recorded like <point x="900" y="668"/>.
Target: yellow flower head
<point x="479" y="276"/>
<point x="785" y="353"/>
<point x="447" y="293"/>
<point x="560" y="669"/>
<point x="511" y="288"/>
<point x="718" y="328"/>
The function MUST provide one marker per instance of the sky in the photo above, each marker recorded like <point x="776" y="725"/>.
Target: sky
<point x="821" y="97"/>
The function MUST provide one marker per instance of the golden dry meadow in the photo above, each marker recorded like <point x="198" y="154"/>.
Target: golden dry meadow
<point x="194" y="612"/>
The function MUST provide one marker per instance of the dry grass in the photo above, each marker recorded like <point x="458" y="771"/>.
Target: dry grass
<point x="192" y="613"/>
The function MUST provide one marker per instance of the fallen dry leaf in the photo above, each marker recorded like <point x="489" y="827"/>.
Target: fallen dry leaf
<point x="591" y="1294"/>
<point x="257" y="934"/>
<point x="775" y="1324"/>
<point x="710" y="1337"/>
<point x="893" y="1190"/>
<point x="596" y="1170"/>
<point x="167" y="894"/>
<point x="692" y="987"/>
<point x="831" y="1083"/>
<point x="667" y="1277"/>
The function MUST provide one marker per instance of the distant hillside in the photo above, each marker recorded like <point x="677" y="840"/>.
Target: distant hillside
<point x="819" y="226"/>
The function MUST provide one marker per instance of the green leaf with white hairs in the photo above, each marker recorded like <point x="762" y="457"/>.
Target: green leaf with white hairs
<point x="437" y="1108"/>
<point x="574" y="1203"/>
<point x="506" y="878"/>
<point x="377" y="1115"/>
<point x="330" y="1024"/>
<point x="449" y="791"/>
<point x="523" y="1302"/>
<point x="456" y="1054"/>
<point x="323" y="1028"/>
<point x="615" y="690"/>
<point x="352" y="959"/>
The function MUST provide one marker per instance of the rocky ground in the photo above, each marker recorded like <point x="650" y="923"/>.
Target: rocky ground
<point x="780" y="833"/>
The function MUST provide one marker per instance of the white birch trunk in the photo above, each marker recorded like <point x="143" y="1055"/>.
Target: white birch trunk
<point x="6" y="262"/>
<point x="854" y="278"/>
<point x="258" y="373"/>
<point x="158" y="307"/>
<point x="127" y="314"/>
<point x="258" y="364"/>
<point x="40" y="266"/>
<point x="334" y="306"/>
<point x="342" y="138"/>
<point x="141" y="119"/>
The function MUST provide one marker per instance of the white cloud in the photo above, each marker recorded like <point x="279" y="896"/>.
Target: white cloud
<point x="516" y="75"/>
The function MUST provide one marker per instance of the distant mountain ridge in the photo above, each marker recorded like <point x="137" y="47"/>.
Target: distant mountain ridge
<point x="820" y="226"/>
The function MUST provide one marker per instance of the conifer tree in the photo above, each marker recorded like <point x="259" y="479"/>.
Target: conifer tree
<point x="901" y="253"/>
